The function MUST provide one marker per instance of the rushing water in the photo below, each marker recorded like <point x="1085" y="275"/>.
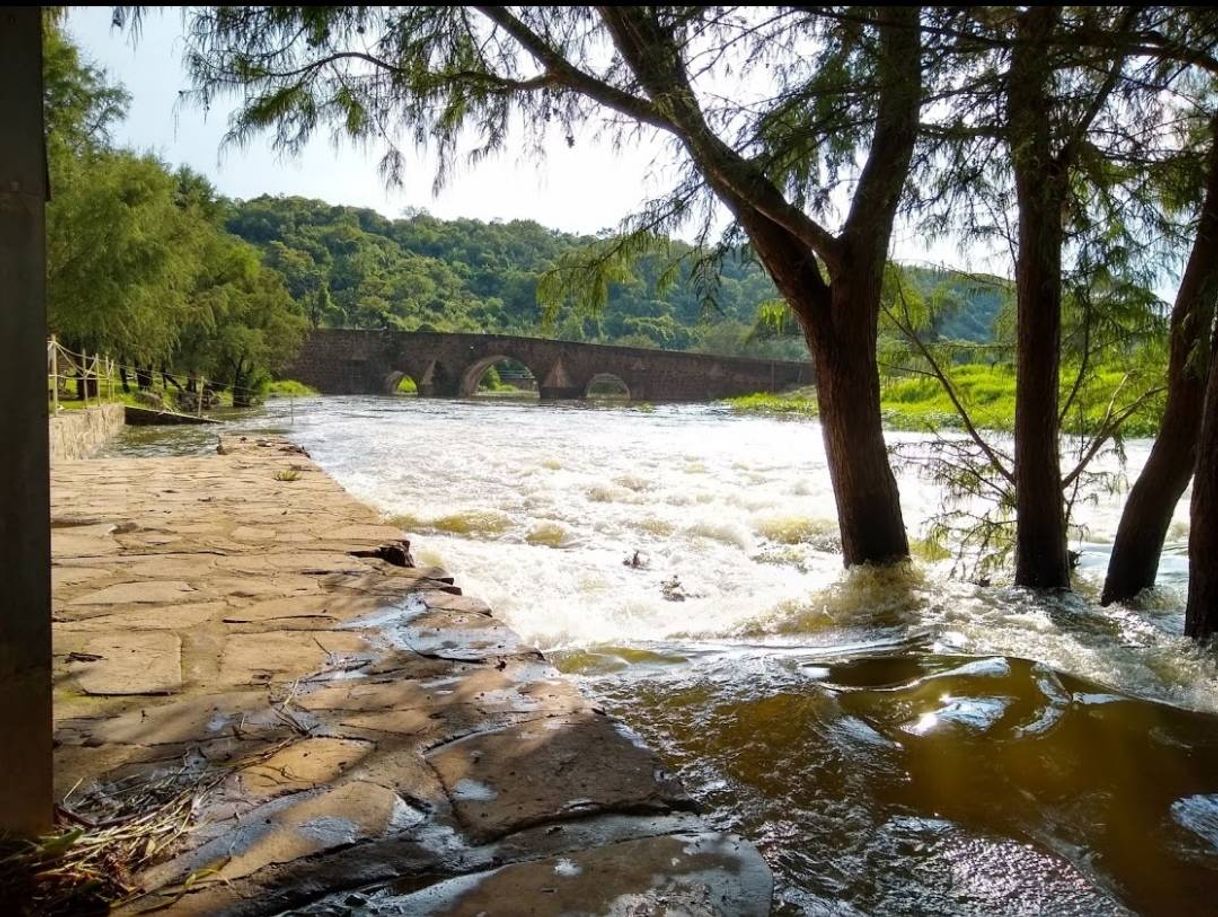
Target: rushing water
<point x="894" y="742"/>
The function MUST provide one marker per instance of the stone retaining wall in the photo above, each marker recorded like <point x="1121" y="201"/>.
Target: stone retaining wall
<point x="78" y="434"/>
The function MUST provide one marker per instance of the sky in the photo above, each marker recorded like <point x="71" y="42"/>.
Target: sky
<point x="582" y="189"/>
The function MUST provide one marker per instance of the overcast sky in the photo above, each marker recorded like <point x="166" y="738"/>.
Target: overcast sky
<point x="584" y="188"/>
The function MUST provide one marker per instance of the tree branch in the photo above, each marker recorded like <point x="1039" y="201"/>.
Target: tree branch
<point x="655" y="61"/>
<point x="937" y="371"/>
<point x="566" y="74"/>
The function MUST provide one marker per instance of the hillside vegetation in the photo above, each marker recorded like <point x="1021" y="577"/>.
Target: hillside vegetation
<point x="349" y="267"/>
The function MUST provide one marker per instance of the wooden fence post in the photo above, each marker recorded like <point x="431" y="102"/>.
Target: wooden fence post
<point x="55" y="373"/>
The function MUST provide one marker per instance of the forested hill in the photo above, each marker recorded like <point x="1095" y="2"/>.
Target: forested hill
<point x="354" y="268"/>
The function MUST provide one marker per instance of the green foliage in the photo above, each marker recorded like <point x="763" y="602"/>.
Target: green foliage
<point x="289" y="388"/>
<point x="139" y="265"/>
<point x="121" y="255"/>
<point x="352" y="268"/>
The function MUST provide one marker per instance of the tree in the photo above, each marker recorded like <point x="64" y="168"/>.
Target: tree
<point x="1051" y="111"/>
<point x="80" y="102"/>
<point x="1201" y="610"/>
<point x="1191" y="186"/>
<point x="1152" y="500"/>
<point x="121" y="256"/>
<point x="773" y="165"/>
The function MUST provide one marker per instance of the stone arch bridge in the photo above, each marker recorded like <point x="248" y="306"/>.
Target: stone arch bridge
<point x="337" y="362"/>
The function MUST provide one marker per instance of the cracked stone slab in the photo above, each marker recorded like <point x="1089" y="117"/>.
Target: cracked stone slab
<point x="692" y="875"/>
<point x="490" y="691"/>
<point x="459" y="636"/>
<point x="290" y="828"/>
<point x="303" y="765"/>
<point x="130" y="662"/>
<point x="550" y="770"/>
<point x="174" y="617"/>
<point x="66" y="576"/>
<point x="366" y="532"/>
<point x="151" y="592"/>
<point x="257" y="534"/>
<point x="315" y="562"/>
<point x="187" y="566"/>
<point x="323" y="606"/>
<point x="204" y="718"/>
<point x="258" y="587"/>
<point x="84" y="541"/>
<point x="400" y="580"/>
<point x="285" y="655"/>
<point x="436" y="600"/>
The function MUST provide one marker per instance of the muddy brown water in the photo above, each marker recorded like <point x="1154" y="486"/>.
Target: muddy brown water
<point x="895" y="743"/>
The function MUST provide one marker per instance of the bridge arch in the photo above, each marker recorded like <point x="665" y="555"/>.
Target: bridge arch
<point x="473" y="373"/>
<point x="432" y="378"/>
<point x="607" y="386"/>
<point x="394" y="383"/>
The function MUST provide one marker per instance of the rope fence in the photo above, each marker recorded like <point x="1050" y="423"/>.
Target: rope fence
<point x="65" y="365"/>
<point x="95" y="373"/>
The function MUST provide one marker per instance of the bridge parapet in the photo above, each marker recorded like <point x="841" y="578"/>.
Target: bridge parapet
<point x="450" y="365"/>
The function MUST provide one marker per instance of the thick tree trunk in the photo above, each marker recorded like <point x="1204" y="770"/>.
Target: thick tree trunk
<point x="840" y="327"/>
<point x="848" y="396"/>
<point x="1041" y="560"/>
<point x="1147" y="514"/>
<point x="1201" y="613"/>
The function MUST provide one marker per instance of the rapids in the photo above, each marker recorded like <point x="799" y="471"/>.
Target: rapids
<point x="896" y="742"/>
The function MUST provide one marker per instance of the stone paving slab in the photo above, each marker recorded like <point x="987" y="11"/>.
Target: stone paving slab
<point x="548" y="770"/>
<point x="129" y="662"/>
<point x="348" y="724"/>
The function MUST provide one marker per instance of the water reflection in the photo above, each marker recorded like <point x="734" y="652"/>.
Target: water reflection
<point x="940" y="784"/>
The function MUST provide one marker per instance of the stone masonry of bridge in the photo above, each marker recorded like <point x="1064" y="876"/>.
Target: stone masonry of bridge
<point x="450" y="365"/>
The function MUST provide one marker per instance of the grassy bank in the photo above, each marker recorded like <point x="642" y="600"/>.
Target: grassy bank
<point x="289" y="388"/>
<point x="919" y="403"/>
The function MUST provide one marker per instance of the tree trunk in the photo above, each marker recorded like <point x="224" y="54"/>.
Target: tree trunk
<point x="839" y="323"/>
<point x="848" y="396"/>
<point x="1201" y="613"/>
<point x="1041" y="560"/>
<point x="1147" y="514"/>
<point x="122" y="375"/>
<point x="241" y="394"/>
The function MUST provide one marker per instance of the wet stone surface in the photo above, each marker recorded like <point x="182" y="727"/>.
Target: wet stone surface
<point x="351" y="730"/>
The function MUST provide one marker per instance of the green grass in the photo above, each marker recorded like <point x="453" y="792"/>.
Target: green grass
<point x="289" y="387"/>
<point x="919" y="402"/>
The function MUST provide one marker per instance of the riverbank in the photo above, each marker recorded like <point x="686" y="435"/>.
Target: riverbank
<point x="919" y="403"/>
<point x="238" y="646"/>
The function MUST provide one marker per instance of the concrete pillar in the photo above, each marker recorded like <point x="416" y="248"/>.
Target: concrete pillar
<point x="25" y="534"/>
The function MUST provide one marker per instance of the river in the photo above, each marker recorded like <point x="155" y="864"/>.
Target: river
<point x="895" y="743"/>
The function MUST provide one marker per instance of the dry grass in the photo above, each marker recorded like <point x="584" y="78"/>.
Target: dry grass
<point x="105" y="837"/>
<point x="87" y="865"/>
